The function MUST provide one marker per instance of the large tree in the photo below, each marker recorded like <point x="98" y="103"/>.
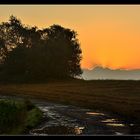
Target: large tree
<point x="64" y="51"/>
<point x="52" y="52"/>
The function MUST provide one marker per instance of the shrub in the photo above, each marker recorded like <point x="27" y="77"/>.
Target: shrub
<point x="16" y="116"/>
<point x="34" y="117"/>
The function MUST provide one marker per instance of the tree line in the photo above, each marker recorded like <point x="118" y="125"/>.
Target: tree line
<point x="29" y="53"/>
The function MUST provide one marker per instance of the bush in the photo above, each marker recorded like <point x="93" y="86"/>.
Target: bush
<point x="15" y="116"/>
<point x="29" y="105"/>
<point x="11" y="115"/>
<point x="34" y="118"/>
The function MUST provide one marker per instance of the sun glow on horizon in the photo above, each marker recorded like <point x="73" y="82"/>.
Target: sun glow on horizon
<point x="109" y="35"/>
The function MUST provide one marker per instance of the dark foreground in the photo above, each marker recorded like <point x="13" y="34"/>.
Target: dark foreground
<point x="121" y="98"/>
<point x="70" y="120"/>
<point x="61" y="119"/>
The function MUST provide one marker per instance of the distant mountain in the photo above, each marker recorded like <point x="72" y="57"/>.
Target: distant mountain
<point x="106" y="73"/>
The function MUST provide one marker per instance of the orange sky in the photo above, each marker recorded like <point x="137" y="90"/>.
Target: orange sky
<point x="109" y="35"/>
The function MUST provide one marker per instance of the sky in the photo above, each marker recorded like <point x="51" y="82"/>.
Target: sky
<point x="109" y="35"/>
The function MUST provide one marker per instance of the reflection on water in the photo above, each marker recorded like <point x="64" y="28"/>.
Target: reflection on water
<point x="118" y="133"/>
<point x="113" y="122"/>
<point x="109" y="120"/>
<point x="78" y="130"/>
<point x="69" y="120"/>
<point x="58" y="130"/>
<point x="94" y="113"/>
<point x="116" y="124"/>
<point x="131" y="124"/>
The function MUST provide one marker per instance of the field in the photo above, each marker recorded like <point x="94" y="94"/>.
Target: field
<point x="119" y="97"/>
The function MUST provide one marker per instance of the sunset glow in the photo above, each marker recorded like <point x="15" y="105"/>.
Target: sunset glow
<point x="109" y="35"/>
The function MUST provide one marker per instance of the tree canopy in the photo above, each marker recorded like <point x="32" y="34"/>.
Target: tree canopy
<point x="29" y="53"/>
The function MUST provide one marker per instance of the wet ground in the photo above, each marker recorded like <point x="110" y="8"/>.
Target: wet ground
<point x="70" y="120"/>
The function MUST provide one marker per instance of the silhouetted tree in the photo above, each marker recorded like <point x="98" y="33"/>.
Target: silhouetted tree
<point x="33" y="54"/>
<point x="64" y="50"/>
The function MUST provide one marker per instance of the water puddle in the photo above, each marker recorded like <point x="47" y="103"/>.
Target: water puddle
<point x="116" y="124"/>
<point x="70" y="120"/>
<point x="94" y="113"/>
<point x="118" y="133"/>
<point x="113" y="122"/>
<point x="109" y="120"/>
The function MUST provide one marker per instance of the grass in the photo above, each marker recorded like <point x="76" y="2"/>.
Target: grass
<point x="16" y="117"/>
<point x="34" y="116"/>
<point x="116" y="96"/>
